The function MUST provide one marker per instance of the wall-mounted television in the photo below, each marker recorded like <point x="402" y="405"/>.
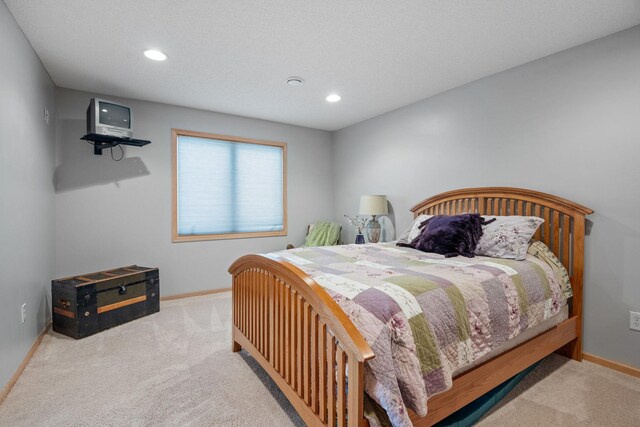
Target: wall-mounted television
<point x="110" y="118"/>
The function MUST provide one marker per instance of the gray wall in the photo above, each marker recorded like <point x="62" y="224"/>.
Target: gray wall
<point x="110" y="214"/>
<point x="26" y="194"/>
<point x="567" y="124"/>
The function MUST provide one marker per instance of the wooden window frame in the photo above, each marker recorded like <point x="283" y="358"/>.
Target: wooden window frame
<point x="176" y="238"/>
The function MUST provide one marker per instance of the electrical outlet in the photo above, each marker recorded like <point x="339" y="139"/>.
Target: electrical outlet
<point x="634" y="322"/>
<point x="23" y="312"/>
<point x="46" y="115"/>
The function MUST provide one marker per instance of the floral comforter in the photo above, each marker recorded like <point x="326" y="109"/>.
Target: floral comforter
<point x="425" y="316"/>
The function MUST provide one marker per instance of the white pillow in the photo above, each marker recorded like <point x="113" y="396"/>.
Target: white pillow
<point x="413" y="230"/>
<point x="508" y="236"/>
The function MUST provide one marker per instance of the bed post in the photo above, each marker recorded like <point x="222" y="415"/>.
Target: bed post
<point x="235" y="346"/>
<point x="573" y="349"/>
<point x="356" y="393"/>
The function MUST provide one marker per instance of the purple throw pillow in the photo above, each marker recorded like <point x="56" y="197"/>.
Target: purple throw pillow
<point x="450" y="235"/>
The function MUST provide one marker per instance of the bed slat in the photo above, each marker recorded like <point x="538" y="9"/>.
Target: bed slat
<point x="281" y="329"/>
<point x="287" y="335"/>
<point x="292" y="344"/>
<point x="546" y="227"/>
<point x="566" y="238"/>
<point x="556" y="234"/>
<point x="331" y="380"/>
<point x="538" y="234"/>
<point x="314" y="362"/>
<point x="306" y="364"/>
<point x="299" y="347"/>
<point x="263" y="324"/>
<point x="341" y="411"/>
<point x="322" y="371"/>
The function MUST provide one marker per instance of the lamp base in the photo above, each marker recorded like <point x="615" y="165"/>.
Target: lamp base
<point x="373" y="230"/>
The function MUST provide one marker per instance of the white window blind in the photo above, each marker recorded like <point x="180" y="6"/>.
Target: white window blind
<point x="227" y="187"/>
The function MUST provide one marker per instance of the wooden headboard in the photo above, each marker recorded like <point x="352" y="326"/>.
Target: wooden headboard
<point x="563" y="229"/>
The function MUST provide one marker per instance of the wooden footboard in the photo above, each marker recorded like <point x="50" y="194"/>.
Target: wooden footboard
<point x="302" y="339"/>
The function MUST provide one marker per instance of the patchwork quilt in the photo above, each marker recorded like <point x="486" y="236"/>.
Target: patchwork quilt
<point x="424" y="315"/>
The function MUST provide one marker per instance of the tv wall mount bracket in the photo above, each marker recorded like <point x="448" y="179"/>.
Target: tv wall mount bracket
<point x="101" y="142"/>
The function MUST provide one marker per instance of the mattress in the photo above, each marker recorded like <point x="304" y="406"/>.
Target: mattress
<point x="524" y="336"/>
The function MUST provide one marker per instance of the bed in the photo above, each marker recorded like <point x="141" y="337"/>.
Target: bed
<point x="315" y="354"/>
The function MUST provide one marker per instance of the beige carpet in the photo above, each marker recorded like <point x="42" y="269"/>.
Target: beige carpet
<point x="562" y="392"/>
<point x="175" y="368"/>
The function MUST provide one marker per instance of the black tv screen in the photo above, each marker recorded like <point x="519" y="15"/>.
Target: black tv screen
<point x="114" y="115"/>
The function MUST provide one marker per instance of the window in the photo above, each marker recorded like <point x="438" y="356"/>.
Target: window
<point x="226" y="187"/>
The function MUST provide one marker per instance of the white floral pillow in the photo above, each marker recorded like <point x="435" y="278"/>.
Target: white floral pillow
<point x="540" y="250"/>
<point x="413" y="230"/>
<point x="508" y="236"/>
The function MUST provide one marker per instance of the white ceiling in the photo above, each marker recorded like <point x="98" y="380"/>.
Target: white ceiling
<point x="234" y="56"/>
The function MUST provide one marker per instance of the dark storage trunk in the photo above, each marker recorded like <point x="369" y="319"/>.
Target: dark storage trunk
<point x="87" y="304"/>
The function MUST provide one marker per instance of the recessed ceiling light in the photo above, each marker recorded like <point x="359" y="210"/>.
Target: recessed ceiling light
<point x="156" y="55"/>
<point x="333" y="97"/>
<point x="295" y="81"/>
<point x="104" y="110"/>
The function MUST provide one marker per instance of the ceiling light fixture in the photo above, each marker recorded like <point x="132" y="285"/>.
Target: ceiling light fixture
<point x="333" y="97"/>
<point x="156" y="55"/>
<point x="295" y="81"/>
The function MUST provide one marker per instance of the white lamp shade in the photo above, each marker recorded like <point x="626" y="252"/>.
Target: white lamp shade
<point x="373" y="205"/>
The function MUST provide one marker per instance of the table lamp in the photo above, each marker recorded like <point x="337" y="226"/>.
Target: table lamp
<point x="373" y="205"/>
